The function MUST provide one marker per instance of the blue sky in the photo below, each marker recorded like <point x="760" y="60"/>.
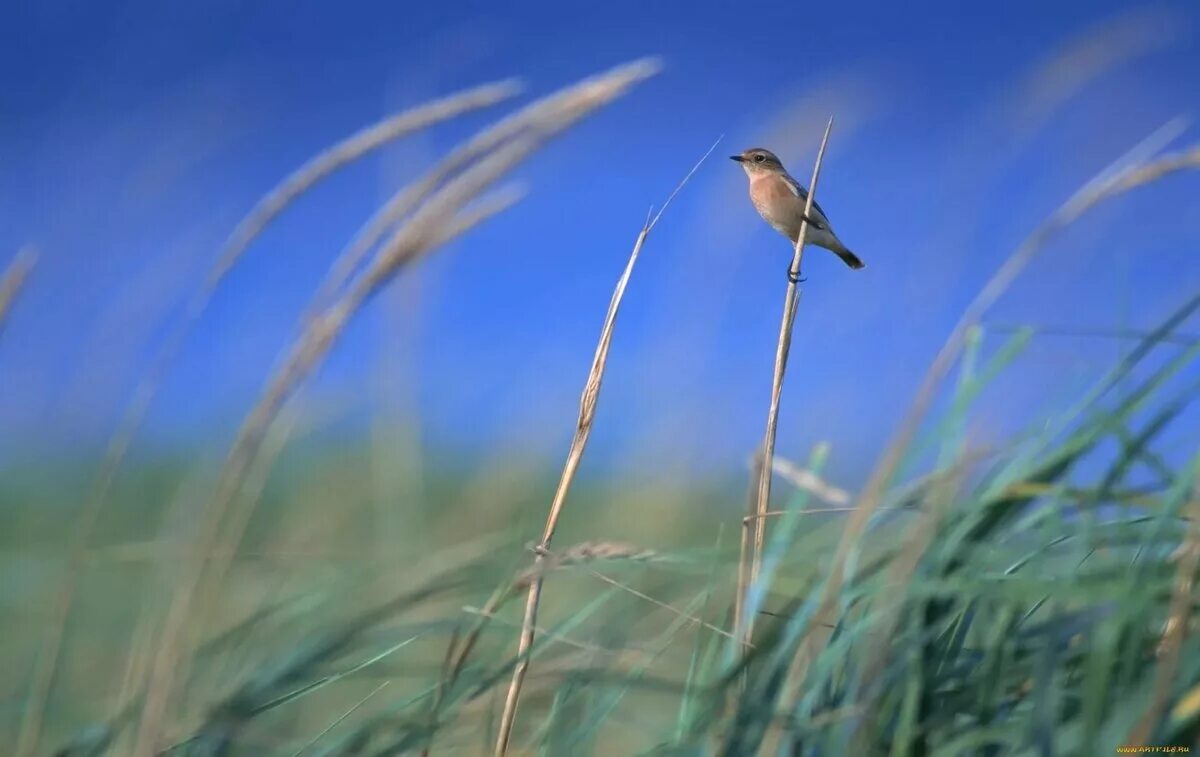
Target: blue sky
<point x="133" y="136"/>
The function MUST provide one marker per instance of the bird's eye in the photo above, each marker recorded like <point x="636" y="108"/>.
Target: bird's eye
<point x="759" y="158"/>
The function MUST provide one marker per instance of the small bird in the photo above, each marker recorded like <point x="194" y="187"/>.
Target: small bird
<point x="780" y="200"/>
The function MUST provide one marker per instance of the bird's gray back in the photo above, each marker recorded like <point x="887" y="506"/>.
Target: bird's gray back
<point x="802" y="193"/>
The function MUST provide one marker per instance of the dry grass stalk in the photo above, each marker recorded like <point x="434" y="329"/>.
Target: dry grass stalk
<point x="11" y="283"/>
<point x="749" y="527"/>
<point x="579" y="554"/>
<point x="222" y="555"/>
<point x="1183" y="601"/>
<point x="528" y="126"/>
<point x="694" y="620"/>
<point x="347" y="151"/>
<point x="762" y="500"/>
<point x="248" y="229"/>
<point x="535" y="117"/>
<point x="14" y="278"/>
<point x="561" y="638"/>
<point x="428" y="228"/>
<point x="242" y="507"/>
<point x="806" y="480"/>
<point x="583" y="429"/>
<point x="533" y="123"/>
<point x="1107" y="186"/>
<point x="308" y="353"/>
<point x="260" y="216"/>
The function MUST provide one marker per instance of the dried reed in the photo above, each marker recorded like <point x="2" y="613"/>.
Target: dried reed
<point x="14" y="278"/>
<point x="806" y="480"/>
<point x="444" y="211"/>
<point x="540" y="120"/>
<point x="583" y="430"/>
<point x="260" y="216"/>
<point x="537" y="116"/>
<point x="248" y="229"/>
<point x="744" y="627"/>
<point x="1176" y="629"/>
<point x="579" y="554"/>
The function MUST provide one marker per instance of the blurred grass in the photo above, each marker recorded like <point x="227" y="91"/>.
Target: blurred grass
<point x="1035" y="598"/>
<point x="1029" y="617"/>
<point x="312" y="540"/>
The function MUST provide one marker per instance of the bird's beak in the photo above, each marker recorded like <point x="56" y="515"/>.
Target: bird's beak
<point x="738" y="158"/>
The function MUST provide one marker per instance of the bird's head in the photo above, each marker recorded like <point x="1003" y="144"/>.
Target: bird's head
<point x="758" y="161"/>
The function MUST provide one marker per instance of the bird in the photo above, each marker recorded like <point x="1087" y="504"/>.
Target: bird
<point x="780" y="200"/>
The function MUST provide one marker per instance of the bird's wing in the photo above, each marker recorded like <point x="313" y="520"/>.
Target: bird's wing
<point x="802" y="193"/>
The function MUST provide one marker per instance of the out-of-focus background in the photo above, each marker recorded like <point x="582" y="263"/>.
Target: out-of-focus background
<point x="134" y="136"/>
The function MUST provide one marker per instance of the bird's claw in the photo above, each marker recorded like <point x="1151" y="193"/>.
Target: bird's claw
<point x="795" y="277"/>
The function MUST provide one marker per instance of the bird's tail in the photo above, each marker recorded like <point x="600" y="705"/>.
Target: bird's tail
<point x="849" y="258"/>
<point x="829" y="241"/>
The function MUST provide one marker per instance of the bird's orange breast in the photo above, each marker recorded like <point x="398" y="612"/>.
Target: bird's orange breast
<point x="775" y="202"/>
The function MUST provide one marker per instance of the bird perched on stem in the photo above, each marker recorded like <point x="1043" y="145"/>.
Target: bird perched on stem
<point x="780" y="200"/>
